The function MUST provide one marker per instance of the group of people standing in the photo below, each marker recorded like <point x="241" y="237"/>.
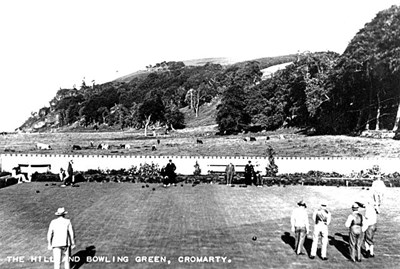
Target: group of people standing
<point x="362" y="227"/>
<point x="250" y="175"/>
<point x="168" y="174"/>
<point x="67" y="177"/>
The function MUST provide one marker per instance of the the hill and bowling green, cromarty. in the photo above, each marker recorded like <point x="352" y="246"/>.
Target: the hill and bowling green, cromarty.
<point x="320" y="92"/>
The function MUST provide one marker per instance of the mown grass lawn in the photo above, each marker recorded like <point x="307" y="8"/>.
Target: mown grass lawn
<point x="128" y="221"/>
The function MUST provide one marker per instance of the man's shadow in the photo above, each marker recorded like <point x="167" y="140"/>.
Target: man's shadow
<point x="341" y="245"/>
<point x="291" y="241"/>
<point x="80" y="258"/>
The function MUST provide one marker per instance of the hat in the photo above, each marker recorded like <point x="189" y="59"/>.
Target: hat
<point x="354" y="206"/>
<point x="301" y="203"/>
<point x="61" y="211"/>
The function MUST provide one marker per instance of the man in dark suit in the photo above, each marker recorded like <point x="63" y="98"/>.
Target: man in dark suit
<point x="248" y="173"/>
<point x="170" y="172"/>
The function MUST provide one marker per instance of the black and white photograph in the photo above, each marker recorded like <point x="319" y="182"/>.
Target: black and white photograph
<point x="199" y="134"/>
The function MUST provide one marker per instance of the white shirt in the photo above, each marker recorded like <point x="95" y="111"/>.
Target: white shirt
<point x="370" y="215"/>
<point x="60" y="233"/>
<point x="322" y="216"/>
<point x="352" y="218"/>
<point x="300" y="218"/>
<point x="378" y="186"/>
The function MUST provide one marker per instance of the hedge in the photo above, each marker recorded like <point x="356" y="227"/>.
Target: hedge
<point x="7" y="181"/>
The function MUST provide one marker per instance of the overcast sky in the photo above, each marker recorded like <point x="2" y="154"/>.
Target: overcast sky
<point x="46" y="45"/>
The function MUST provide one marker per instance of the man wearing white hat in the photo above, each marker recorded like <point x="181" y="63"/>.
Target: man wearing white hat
<point x="60" y="238"/>
<point x="322" y="218"/>
<point x="300" y="226"/>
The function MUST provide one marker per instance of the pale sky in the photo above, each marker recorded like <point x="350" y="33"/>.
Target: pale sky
<point x="48" y="44"/>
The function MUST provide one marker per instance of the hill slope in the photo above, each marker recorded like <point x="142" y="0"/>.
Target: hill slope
<point x="63" y="115"/>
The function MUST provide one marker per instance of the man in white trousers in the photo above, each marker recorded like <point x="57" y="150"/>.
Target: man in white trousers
<point x="322" y="218"/>
<point x="60" y="238"/>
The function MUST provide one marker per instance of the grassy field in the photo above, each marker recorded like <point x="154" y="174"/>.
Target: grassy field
<point x="286" y="143"/>
<point x="125" y="220"/>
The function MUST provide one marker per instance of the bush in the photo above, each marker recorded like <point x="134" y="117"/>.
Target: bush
<point x="45" y="177"/>
<point x="3" y="174"/>
<point x="5" y="182"/>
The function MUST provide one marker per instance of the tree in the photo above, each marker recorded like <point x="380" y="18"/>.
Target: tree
<point x="104" y="112"/>
<point x="365" y="83"/>
<point x="231" y="115"/>
<point x="152" y="110"/>
<point x="174" y="117"/>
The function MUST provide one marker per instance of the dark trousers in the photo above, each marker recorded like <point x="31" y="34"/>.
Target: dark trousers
<point x="229" y="177"/>
<point x="355" y="240"/>
<point x="300" y="236"/>
<point x="247" y="179"/>
<point x="68" y="180"/>
<point x="171" y="178"/>
<point x="369" y="234"/>
<point x="165" y="180"/>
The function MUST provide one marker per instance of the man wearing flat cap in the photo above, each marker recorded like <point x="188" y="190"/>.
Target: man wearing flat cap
<point x="355" y="224"/>
<point x="322" y="218"/>
<point x="300" y="226"/>
<point x="60" y="238"/>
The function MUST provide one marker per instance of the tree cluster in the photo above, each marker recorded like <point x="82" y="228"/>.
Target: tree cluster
<point x="324" y="91"/>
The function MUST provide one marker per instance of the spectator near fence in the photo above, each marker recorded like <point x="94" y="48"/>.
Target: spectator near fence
<point x="170" y="172"/>
<point x="69" y="178"/>
<point x="16" y="173"/>
<point x="248" y="173"/>
<point x="60" y="238"/>
<point x="62" y="174"/>
<point x="230" y="172"/>
<point x="164" y="176"/>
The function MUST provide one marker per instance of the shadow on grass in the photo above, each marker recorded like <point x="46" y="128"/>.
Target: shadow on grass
<point x="288" y="239"/>
<point x="82" y="254"/>
<point x="291" y="241"/>
<point x="341" y="245"/>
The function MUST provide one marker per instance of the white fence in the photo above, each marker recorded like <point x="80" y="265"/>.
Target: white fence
<point x="185" y="164"/>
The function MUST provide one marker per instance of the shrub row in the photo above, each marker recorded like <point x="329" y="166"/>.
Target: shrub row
<point x="312" y="178"/>
<point x="7" y="181"/>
